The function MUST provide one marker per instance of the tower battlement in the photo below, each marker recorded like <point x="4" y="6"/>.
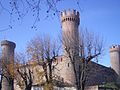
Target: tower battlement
<point x="9" y="43"/>
<point x="115" y="48"/>
<point x="70" y="16"/>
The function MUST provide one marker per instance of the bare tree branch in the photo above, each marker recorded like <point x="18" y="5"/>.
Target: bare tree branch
<point x="44" y="51"/>
<point x="90" y="47"/>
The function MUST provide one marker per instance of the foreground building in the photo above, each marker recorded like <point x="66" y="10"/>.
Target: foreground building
<point x="99" y="75"/>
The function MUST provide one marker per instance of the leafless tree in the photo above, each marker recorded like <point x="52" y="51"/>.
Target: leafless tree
<point x="89" y="46"/>
<point x="7" y="72"/>
<point x="22" y="7"/>
<point x="45" y="51"/>
<point x="18" y="9"/>
<point x="23" y="73"/>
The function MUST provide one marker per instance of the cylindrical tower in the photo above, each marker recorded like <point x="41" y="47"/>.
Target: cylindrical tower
<point x="70" y="35"/>
<point x="7" y="59"/>
<point x="115" y="58"/>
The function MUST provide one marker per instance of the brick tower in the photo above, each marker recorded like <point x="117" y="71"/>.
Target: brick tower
<point x="70" y="34"/>
<point x="7" y="58"/>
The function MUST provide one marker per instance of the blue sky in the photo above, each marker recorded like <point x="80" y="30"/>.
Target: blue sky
<point x="99" y="16"/>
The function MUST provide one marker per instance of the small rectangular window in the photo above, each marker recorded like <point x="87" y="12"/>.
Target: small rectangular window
<point x="68" y="64"/>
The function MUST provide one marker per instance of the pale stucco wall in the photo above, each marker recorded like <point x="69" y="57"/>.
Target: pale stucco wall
<point x="91" y="88"/>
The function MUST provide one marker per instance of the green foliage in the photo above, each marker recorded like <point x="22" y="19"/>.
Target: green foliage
<point x="111" y="85"/>
<point x="48" y="86"/>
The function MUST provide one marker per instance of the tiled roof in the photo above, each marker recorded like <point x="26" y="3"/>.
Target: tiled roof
<point x="99" y="74"/>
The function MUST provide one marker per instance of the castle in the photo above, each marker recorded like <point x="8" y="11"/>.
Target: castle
<point x="98" y="75"/>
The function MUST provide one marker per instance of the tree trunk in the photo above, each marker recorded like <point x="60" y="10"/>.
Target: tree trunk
<point x="76" y="76"/>
<point x="28" y="87"/>
<point x="82" y="86"/>
<point x="45" y="71"/>
<point x="12" y="85"/>
<point x="78" y="88"/>
<point x="50" y="75"/>
<point x="0" y="85"/>
<point x="50" y="71"/>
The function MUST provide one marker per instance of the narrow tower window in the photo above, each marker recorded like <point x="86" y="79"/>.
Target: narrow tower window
<point x="68" y="64"/>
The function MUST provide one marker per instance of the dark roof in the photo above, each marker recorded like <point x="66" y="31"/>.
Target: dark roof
<point x="99" y="74"/>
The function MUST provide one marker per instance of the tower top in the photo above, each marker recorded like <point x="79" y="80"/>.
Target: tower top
<point x="9" y="43"/>
<point x="69" y="15"/>
<point x="115" y="48"/>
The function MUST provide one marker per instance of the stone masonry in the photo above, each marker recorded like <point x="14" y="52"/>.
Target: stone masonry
<point x="7" y="58"/>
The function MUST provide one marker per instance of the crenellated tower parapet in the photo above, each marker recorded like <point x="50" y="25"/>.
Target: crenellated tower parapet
<point x="70" y="16"/>
<point x="70" y="29"/>
<point x="115" y="48"/>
